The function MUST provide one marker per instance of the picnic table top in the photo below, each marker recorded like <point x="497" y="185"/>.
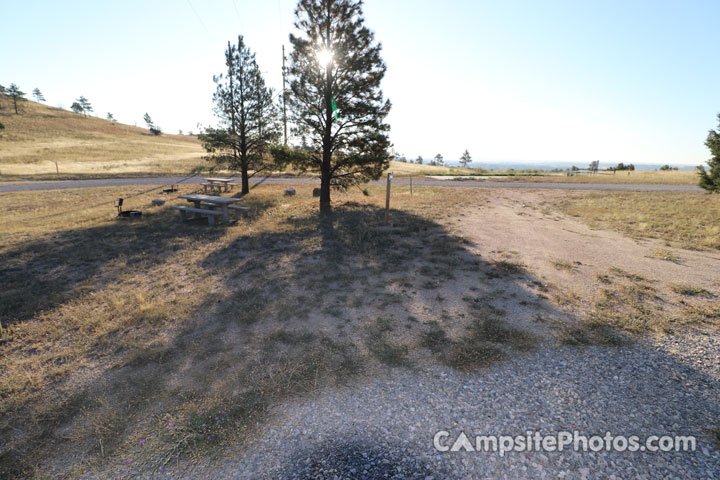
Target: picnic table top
<point x="199" y="197"/>
<point x="222" y="180"/>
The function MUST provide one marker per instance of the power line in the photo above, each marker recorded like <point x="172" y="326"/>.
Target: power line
<point x="236" y="11"/>
<point x="198" y="16"/>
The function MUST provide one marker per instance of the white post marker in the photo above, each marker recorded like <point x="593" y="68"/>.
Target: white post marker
<point x="387" y="199"/>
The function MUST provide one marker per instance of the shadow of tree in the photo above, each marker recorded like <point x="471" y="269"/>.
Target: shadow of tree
<point x="58" y="267"/>
<point x="298" y="304"/>
<point x="42" y="274"/>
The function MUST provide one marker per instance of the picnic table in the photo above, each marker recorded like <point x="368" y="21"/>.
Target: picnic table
<point x="207" y="204"/>
<point x="219" y="184"/>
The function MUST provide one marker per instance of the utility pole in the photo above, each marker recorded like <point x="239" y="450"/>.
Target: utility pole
<point x="284" y="93"/>
<point x="231" y="71"/>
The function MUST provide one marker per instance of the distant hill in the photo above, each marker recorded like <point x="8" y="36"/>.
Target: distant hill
<point x="33" y="141"/>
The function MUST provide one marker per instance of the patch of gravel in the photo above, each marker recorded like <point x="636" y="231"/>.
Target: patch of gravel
<point x="696" y="348"/>
<point x="384" y="427"/>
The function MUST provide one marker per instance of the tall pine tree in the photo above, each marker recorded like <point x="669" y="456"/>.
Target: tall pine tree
<point x="335" y="74"/>
<point x="248" y="116"/>
<point x="465" y="159"/>
<point x="14" y="92"/>
<point x="710" y="180"/>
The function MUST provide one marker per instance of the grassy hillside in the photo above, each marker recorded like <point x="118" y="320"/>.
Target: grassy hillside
<point x="33" y="141"/>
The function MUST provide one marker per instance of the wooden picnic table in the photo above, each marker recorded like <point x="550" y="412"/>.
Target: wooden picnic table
<point x="223" y="202"/>
<point x="225" y="183"/>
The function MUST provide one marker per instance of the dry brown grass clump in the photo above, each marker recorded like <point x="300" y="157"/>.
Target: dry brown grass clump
<point x="630" y="304"/>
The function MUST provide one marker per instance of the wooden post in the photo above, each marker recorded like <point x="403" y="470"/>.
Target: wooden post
<point x="387" y="198"/>
<point x="57" y="170"/>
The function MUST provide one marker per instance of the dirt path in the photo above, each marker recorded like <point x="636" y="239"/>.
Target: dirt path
<point x="548" y="242"/>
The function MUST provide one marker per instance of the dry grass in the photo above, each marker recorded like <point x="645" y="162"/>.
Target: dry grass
<point x="687" y="220"/>
<point x="689" y="290"/>
<point x="402" y="169"/>
<point x="634" y="304"/>
<point x="655" y="177"/>
<point x="113" y="330"/>
<point x="32" y="142"/>
<point x="560" y="264"/>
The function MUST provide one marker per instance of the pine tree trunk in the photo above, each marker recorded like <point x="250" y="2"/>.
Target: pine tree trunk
<point x="15" y="102"/>
<point x="325" y="186"/>
<point x="245" y="180"/>
<point x="327" y="147"/>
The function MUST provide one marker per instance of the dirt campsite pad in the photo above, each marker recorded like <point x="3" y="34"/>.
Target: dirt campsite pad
<point x="285" y="346"/>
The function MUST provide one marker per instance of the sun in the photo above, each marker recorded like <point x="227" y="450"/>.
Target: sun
<point x="325" y="57"/>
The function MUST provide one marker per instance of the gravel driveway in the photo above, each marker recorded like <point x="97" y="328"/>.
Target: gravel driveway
<point x="384" y="427"/>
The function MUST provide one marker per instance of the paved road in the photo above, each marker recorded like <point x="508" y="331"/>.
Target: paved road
<point x="119" y="182"/>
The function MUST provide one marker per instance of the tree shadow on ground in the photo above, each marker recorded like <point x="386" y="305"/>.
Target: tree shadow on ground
<point x="66" y="268"/>
<point x="304" y="304"/>
<point x="60" y="266"/>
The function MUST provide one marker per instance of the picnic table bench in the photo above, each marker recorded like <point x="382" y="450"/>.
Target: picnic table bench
<point x="218" y="184"/>
<point x="210" y="206"/>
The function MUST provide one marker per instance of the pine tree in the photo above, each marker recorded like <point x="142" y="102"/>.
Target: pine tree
<point x="335" y="75"/>
<point x="111" y="117"/>
<point x="439" y="160"/>
<point x="39" y="97"/>
<point x="248" y="117"/>
<point x="84" y="104"/>
<point x="465" y="159"/>
<point x="710" y="180"/>
<point x="154" y="129"/>
<point x="419" y="160"/>
<point x="16" y="94"/>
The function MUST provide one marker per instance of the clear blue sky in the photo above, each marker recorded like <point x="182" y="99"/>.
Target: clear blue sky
<point x="619" y="81"/>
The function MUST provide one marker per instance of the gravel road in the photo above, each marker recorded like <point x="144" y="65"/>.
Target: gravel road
<point x="384" y="426"/>
<point x="119" y="182"/>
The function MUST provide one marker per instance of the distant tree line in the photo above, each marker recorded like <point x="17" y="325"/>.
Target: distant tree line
<point x="438" y="160"/>
<point x="621" y="166"/>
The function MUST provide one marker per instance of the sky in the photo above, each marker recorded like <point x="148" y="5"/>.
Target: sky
<point x="552" y="81"/>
